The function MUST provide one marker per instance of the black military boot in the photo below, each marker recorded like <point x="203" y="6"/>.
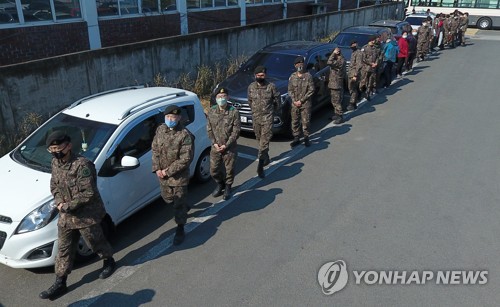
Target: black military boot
<point x="56" y="290"/>
<point x="339" y="120"/>
<point x="307" y="143"/>
<point x="179" y="234"/>
<point x="260" y="169"/>
<point x="227" y="192"/>
<point x="295" y="142"/>
<point x="108" y="267"/>
<point x="218" y="190"/>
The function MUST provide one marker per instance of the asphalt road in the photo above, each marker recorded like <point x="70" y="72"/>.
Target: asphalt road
<point x="409" y="183"/>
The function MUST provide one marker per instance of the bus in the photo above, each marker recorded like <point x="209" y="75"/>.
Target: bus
<point x="483" y="14"/>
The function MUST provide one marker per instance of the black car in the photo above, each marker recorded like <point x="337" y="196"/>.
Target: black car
<point x="279" y="60"/>
<point x="361" y="35"/>
<point x="397" y="27"/>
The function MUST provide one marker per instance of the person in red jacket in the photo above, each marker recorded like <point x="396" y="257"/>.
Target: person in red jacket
<point x="403" y="53"/>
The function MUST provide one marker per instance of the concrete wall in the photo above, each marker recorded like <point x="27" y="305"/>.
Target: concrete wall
<point x="47" y="86"/>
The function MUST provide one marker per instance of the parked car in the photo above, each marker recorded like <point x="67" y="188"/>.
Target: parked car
<point x="397" y="27"/>
<point x="114" y="129"/>
<point x="361" y="34"/>
<point x="278" y="59"/>
<point x="416" y="19"/>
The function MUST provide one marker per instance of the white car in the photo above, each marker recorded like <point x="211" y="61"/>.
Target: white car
<point x="114" y="129"/>
<point x="416" y="20"/>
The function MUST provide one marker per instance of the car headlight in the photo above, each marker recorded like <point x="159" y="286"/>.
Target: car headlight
<point x="38" y="218"/>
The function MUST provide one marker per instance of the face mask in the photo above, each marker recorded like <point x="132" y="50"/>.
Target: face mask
<point x="414" y="33"/>
<point x="300" y="68"/>
<point x="58" y="155"/>
<point x="424" y="24"/>
<point x="260" y="80"/>
<point x="221" y="101"/>
<point x="354" y="48"/>
<point x="405" y="36"/>
<point x="170" y="123"/>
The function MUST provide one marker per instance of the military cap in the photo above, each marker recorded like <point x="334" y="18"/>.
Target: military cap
<point x="259" y="69"/>
<point x="298" y="59"/>
<point x="173" y="109"/>
<point x="353" y="42"/>
<point x="222" y="90"/>
<point x="56" y="138"/>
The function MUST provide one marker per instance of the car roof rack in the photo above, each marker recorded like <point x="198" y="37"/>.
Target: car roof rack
<point x="148" y="103"/>
<point x="80" y="101"/>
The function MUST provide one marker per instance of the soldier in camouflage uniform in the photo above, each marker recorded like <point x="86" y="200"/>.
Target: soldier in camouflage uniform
<point x="464" y="23"/>
<point x="337" y="65"/>
<point x="263" y="98"/>
<point x="300" y="89"/>
<point x="354" y="75"/>
<point x="172" y="154"/>
<point x="423" y="40"/>
<point x="370" y="59"/>
<point x="454" y="25"/>
<point x="74" y="186"/>
<point x="223" y="129"/>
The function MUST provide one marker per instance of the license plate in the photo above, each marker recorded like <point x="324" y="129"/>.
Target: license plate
<point x="243" y="119"/>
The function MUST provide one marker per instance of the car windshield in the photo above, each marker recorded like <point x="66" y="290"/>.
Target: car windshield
<point x="415" y="21"/>
<point x="345" y="39"/>
<point x="278" y="65"/>
<point x="88" y="137"/>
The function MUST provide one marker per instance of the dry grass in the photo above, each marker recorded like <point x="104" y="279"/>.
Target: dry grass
<point x="206" y="79"/>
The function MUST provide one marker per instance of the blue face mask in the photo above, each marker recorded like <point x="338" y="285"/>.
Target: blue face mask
<point x="170" y="123"/>
<point x="221" y="101"/>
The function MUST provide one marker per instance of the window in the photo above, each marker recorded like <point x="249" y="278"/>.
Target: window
<point x="117" y="7"/>
<point x="156" y="6"/>
<point x="196" y="4"/>
<point x="41" y="10"/>
<point x="138" y="140"/>
<point x="187" y="113"/>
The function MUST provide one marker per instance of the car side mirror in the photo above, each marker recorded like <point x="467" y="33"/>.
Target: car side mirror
<point x="127" y="163"/>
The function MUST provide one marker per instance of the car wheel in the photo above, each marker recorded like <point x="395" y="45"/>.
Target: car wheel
<point x="202" y="171"/>
<point x="484" y="23"/>
<point x="83" y="252"/>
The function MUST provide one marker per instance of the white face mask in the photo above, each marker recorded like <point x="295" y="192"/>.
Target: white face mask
<point x="414" y="33"/>
<point x="405" y="36"/>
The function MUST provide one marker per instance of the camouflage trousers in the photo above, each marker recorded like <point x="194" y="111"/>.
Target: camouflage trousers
<point x="336" y="96"/>
<point x="422" y="48"/>
<point x="177" y="196"/>
<point x="263" y="134"/>
<point x="68" y="242"/>
<point x="353" y="90"/>
<point x="301" y="115"/>
<point x="368" y="80"/>
<point x="222" y="165"/>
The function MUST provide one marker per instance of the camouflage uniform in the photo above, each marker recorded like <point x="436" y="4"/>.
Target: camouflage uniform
<point x="355" y="72"/>
<point x="371" y="54"/>
<point x="423" y="41"/>
<point x="173" y="152"/>
<point x="336" y="81"/>
<point x="430" y="34"/>
<point x="263" y="99"/>
<point x="454" y="24"/>
<point x="301" y="89"/>
<point x="74" y="184"/>
<point x="223" y="128"/>
<point x="464" y="23"/>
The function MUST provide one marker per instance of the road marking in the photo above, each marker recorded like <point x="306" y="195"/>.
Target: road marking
<point x="209" y="213"/>
<point x="247" y="156"/>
